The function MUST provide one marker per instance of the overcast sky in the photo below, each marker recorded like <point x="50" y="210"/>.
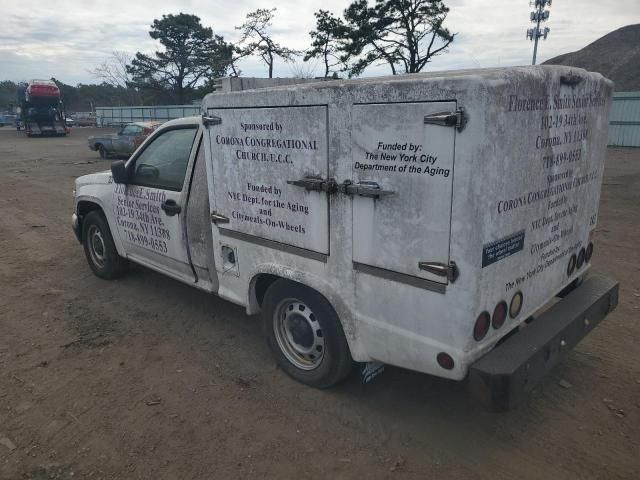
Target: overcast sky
<point x="66" y="38"/>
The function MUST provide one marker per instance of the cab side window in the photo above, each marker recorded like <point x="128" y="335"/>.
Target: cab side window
<point x="163" y="162"/>
<point x="129" y="130"/>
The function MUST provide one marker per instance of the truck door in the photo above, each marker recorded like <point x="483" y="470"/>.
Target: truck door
<point x="402" y="160"/>
<point x="267" y="166"/>
<point x="149" y="210"/>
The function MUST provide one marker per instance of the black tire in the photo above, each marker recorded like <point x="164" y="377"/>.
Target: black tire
<point x="316" y="325"/>
<point x="102" y="151"/>
<point x="99" y="248"/>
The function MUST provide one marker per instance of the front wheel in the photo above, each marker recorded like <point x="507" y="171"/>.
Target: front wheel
<point x="305" y="335"/>
<point x="102" y="151"/>
<point x="99" y="248"/>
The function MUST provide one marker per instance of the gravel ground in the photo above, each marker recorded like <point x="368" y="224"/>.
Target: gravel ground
<point x="146" y="378"/>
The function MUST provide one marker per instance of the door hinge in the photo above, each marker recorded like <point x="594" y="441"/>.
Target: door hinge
<point x="207" y="120"/>
<point x="442" y="270"/>
<point x="218" y="218"/>
<point x="457" y="119"/>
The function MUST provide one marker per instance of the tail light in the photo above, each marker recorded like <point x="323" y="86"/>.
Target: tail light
<point x="572" y="265"/>
<point x="588" y="252"/>
<point x="516" y="305"/>
<point x="580" y="260"/>
<point x="481" y="326"/>
<point x="499" y="315"/>
<point x="445" y="361"/>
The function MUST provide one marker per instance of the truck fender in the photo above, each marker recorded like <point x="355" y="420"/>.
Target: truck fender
<point x="88" y="203"/>
<point x="263" y="275"/>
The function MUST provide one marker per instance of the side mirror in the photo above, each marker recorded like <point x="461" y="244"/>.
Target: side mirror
<point x="119" y="172"/>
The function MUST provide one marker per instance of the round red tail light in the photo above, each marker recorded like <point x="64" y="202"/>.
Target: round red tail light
<point x="588" y="252"/>
<point x="572" y="265"/>
<point x="580" y="260"/>
<point x="499" y="315"/>
<point x="481" y="327"/>
<point x="445" y="361"/>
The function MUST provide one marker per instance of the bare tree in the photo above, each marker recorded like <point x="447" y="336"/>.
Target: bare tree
<point x="302" y="70"/>
<point x="256" y="40"/>
<point x="114" y="70"/>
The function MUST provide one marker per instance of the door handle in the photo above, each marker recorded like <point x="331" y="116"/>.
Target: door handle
<point x="170" y="207"/>
<point x="365" y="189"/>
<point x="217" y="217"/>
<point x="312" y="184"/>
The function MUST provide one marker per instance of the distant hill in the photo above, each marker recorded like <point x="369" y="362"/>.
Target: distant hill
<point x="616" y="56"/>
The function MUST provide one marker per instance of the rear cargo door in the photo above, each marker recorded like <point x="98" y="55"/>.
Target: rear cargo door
<point x="266" y="164"/>
<point x="405" y="151"/>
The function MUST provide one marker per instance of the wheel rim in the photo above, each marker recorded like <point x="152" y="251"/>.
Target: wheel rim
<point x="298" y="334"/>
<point x="97" y="248"/>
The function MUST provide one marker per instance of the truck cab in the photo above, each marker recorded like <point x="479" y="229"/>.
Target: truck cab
<point x="421" y="221"/>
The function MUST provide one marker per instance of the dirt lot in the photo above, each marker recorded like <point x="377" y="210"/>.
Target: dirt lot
<point x="148" y="378"/>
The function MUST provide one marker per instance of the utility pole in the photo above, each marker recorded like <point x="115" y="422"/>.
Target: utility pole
<point x="538" y="16"/>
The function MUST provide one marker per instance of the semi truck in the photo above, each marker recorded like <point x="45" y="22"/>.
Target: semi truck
<point x="41" y="111"/>
<point x="438" y="222"/>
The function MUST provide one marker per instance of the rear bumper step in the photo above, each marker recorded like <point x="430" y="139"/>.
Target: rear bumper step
<point x="502" y="377"/>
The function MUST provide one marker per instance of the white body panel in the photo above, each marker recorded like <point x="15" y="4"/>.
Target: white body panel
<point x="257" y="151"/>
<point x="394" y="148"/>
<point x="520" y="197"/>
<point x="148" y="234"/>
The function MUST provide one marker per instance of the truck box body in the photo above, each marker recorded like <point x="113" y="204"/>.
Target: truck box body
<point x="508" y="196"/>
<point x="434" y="212"/>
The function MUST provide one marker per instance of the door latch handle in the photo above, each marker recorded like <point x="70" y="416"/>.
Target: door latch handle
<point x="218" y="218"/>
<point x="311" y="184"/>
<point x="364" y="189"/>
<point x="170" y="207"/>
<point x="440" y="269"/>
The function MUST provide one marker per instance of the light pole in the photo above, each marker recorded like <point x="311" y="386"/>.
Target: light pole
<point x="538" y="16"/>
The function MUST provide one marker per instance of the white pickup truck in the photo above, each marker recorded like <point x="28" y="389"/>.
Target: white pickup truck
<point x="426" y="221"/>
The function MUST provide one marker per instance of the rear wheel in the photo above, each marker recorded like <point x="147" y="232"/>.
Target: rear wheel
<point x="99" y="247"/>
<point x="305" y="335"/>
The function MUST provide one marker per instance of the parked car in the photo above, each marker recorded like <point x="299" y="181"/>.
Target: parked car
<point x="85" y="119"/>
<point x="7" y="120"/>
<point x="124" y="142"/>
<point x="70" y="122"/>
